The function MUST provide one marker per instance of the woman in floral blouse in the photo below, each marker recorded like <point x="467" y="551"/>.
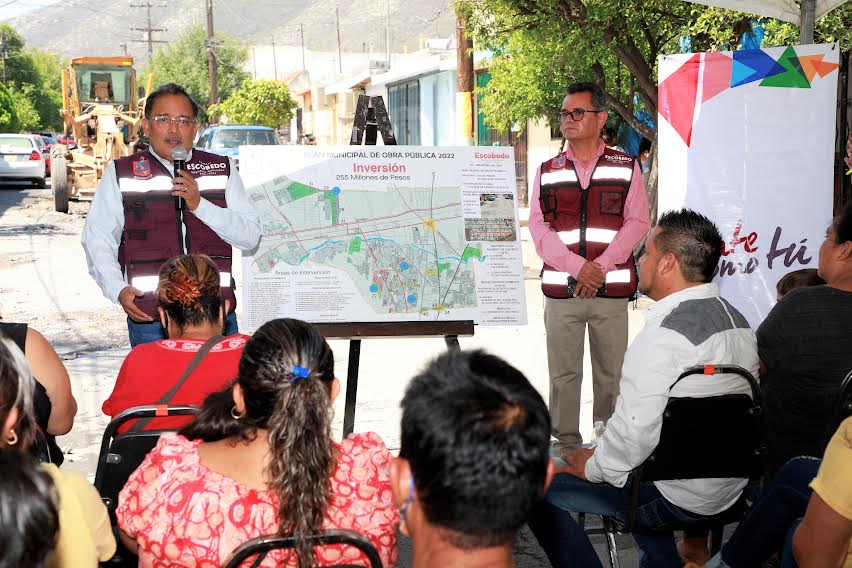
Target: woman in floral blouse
<point x="260" y="460"/>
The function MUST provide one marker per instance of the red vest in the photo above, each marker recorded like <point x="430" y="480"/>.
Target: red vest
<point x="153" y="231"/>
<point x="587" y="219"/>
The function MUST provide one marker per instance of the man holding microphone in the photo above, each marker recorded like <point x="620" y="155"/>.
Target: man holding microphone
<point x="145" y="212"/>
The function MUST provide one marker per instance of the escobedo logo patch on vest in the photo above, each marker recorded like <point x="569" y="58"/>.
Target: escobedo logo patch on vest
<point x="142" y="168"/>
<point x="617" y="158"/>
<point x="558" y="162"/>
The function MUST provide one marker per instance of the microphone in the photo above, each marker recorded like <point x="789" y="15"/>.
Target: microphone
<point x="179" y="160"/>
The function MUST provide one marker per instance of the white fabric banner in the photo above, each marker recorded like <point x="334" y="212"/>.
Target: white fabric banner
<point x="747" y="138"/>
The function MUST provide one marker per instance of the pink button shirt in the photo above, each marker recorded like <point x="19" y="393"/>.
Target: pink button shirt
<point x="636" y="223"/>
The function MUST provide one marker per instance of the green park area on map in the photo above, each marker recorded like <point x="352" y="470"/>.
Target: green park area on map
<point x="404" y="248"/>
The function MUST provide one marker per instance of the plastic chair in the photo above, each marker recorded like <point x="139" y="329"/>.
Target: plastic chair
<point x="262" y="545"/>
<point x="121" y="454"/>
<point x="716" y="436"/>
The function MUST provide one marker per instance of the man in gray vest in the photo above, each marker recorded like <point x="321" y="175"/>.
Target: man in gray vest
<point x="135" y="224"/>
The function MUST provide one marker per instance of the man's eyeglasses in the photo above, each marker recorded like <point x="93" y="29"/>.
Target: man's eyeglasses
<point x="576" y="115"/>
<point x="164" y="121"/>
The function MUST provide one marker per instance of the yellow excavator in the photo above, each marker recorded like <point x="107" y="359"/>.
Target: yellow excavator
<point x="102" y="109"/>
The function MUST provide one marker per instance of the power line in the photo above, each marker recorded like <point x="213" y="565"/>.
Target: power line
<point x="149" y="30"/>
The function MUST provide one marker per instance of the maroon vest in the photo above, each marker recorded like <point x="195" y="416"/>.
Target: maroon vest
<point x="587" y="219"/>
<point x="153" y="230"/>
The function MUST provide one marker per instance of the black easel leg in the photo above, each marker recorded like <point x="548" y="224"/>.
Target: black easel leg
<point x="452" y="342"/>
<point x="351" y="386"/>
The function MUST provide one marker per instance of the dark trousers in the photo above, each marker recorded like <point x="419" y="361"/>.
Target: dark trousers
<point x="566" y="543"/>
<point x="766" y="527"/>
<point x="153" y="331"/>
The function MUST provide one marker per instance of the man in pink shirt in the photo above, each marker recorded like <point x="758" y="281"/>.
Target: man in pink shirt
<point x="587" y="213"/>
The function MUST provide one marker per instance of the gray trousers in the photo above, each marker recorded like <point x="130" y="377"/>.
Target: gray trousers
<point x="565" y="323"/>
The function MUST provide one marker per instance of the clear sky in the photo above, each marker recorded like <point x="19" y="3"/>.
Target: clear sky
<point x="10" y="9"/>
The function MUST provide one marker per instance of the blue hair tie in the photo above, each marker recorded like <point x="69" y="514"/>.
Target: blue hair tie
<point x="299" y="373"/>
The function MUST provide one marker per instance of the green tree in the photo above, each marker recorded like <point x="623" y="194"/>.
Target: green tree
<point x="541" y="47"/>
<point x="264" y="102"/>
<point x="185" y="62"/>
<point x="8" y="114"/>
<point x="25" y="108"/>
<point x="34" y="78"/>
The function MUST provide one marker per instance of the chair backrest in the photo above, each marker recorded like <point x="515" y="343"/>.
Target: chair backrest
<point x="121" y="454"/>
<point x="716" y="436"/>
<point x="843" y="410"/>
<point x="262" y="545"/>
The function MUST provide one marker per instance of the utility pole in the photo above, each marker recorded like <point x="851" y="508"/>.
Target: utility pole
<point x="149" y="30"/>
<point x="464" y="83"/>
<point x="211" y="56"/>
<point x="274" y="60"/>
<point x="4" y="53"/>
<point x="124" y="47"/>
<point x="253" y="64"/>
<point x="339" y="57"/>
<point x="302" y="33"/>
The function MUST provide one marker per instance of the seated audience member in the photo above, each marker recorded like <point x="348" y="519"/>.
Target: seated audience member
<point x="29" y="511"/>
<point x="54" y="404"/>
<point x="805" y="348"/>
<point x="693" y="547"/>
<point x="689" y="325"/>
<point x="473" y="460"/>
<point x="804" y="278"/>
<point x="191" y="311"/>
<point x="260" y="460"/>
<point x="85" y="535"/>
<point x="818" y="490"/>
<point x="824" y="537"/>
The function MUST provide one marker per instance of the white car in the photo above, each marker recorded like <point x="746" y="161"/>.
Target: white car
<point x="21" y="159"/>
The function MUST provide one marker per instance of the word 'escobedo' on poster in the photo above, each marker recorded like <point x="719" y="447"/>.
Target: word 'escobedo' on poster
<point x="747" y="138"/>
<point x="384" y="233"/>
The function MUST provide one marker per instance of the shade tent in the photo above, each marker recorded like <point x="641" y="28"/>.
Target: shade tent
<point x="802" y="13"/>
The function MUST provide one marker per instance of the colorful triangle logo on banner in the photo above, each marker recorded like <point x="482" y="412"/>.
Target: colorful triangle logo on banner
<point x="813" y="65"/>
<point x="794" y="76"/>
<point x="753" y="65"/>
<point x="677" y="97"/>
<point x="716" y="76"/>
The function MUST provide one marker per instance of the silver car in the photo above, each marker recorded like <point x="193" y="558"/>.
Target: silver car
<point x="21" y="159"/>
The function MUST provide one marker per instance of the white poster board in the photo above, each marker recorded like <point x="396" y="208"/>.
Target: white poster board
<point x="747" y="138"/>
<point x="382" y="234"/>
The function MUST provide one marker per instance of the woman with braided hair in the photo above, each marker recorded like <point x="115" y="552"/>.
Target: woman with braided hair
<point x="191" y="311"/>
<point x="258" y="460"/>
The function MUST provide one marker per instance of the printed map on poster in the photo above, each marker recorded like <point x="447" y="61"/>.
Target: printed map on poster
<point x="383" y="234"/>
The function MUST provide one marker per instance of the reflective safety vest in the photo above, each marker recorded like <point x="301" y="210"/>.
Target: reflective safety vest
<point x="154" y="231"/>
<point x="587" y="219"/>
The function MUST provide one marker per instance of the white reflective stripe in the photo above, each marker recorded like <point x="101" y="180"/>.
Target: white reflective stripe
<point x="554" y="277"/>
<point x="157" y="183"/>
<point x="611" y="172"/>
<point x="600" y="235"/>
<point x="618" y="276"/>
<point x="558" y="176"/>
<point x="206" y="183"/>
<point x="164" y="183"/>
<point x="149" y="283"/>
<point x="569" y="237"/>
<point x="145" y="283"/>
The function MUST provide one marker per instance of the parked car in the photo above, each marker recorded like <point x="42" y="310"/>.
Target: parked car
<point x="48" y="137"/>
<point x="225" y="139"/>
<point x="44" y="145"/>
<point x="67" y="140"/>
<point x="21" y="158"/>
